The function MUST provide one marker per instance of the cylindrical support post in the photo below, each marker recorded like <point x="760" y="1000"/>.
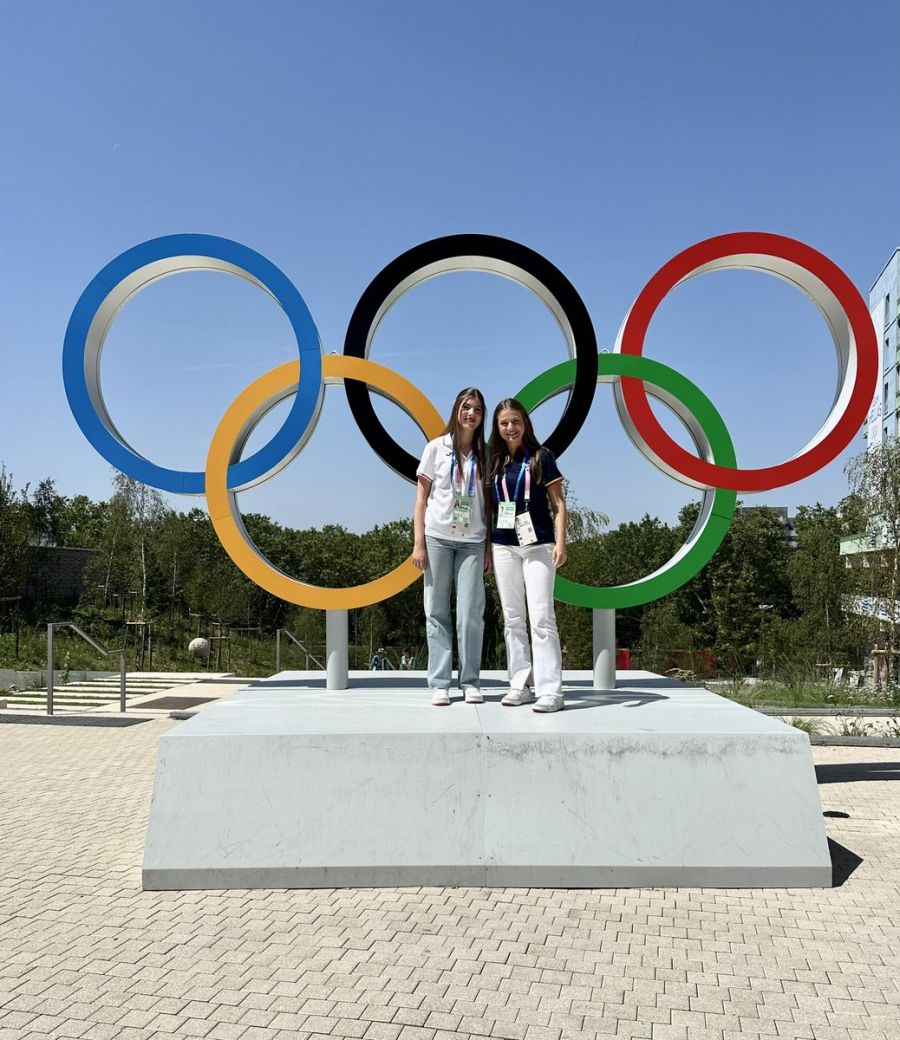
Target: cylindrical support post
<point x="336" y="649"/>
<point x="277" y="650"/>
<point x="49" y="669"/>
<point x="604" y="649"/>
<point x="121" y="682"/>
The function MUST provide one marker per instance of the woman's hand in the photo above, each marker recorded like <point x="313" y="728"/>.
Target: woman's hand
<point x="488" y="559"/>
<point x="420" y="556"/>
<point x="419" y="553"/>
<point x="557" y="500"/>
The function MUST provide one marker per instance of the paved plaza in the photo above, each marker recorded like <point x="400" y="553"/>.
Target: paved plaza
<point x="85" y="953"/>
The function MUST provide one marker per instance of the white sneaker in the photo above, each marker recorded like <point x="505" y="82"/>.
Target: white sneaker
<point x="440" y="698"/>
<point x="552" y="702"/>
<point x="473" y="695"/>
<point x="516" y="697"/>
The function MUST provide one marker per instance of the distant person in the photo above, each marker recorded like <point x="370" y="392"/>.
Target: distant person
<point x="380" y="662"/>
<point x="451" y="546"/>
<point x="407" y="661"/>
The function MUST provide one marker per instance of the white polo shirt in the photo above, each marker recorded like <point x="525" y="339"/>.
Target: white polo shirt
<point x="435" y="465"/>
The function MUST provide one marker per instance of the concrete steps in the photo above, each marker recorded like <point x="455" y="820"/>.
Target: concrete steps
<point x="99" y="693"/>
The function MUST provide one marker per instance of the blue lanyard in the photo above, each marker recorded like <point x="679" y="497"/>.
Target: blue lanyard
<point x="518" y="483"/>
<point x="471" y="490"/>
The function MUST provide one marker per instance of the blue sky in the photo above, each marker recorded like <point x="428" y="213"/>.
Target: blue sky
<point x="333" y="136"/>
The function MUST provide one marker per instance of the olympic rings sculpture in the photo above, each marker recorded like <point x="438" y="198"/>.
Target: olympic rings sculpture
<point x="713" y="470"/>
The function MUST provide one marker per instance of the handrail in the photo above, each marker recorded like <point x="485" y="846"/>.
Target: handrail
<point x="305" y="650"/>
<point x="96" y="646"/>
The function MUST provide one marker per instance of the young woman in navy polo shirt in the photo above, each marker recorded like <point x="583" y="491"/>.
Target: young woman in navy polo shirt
<point x="529" y="543"/>
<point x="450" y="546"/>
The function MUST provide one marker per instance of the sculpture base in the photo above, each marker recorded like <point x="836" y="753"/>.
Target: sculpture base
<point x="286" y="785"/>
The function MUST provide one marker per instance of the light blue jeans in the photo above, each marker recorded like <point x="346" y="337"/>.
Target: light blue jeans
<point x="450" y="561"/>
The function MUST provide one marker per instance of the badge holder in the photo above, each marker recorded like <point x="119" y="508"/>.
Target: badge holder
<point x="506" y="516"/>
<point x="461" y="513"/>
<point x="506" y="512"/>
<point x="461" y="516"/>
<point x="525" y="531"/>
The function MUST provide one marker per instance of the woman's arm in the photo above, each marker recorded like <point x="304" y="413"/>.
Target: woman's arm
<point x="558" y="502"/>
<point x="419" y="555"/>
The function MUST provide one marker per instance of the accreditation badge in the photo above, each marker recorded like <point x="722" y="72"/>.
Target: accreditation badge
<point x="461" y="515"/>
<point x="506" y="516"/>
<point x="525" y="531"/>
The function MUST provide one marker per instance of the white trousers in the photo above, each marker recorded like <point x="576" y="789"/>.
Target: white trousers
<point x="526" y="573"/>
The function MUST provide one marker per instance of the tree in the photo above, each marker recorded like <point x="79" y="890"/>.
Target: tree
<point x="46" y="510"/>
<point x="745" y="581"/>
<point x="875" y="481"/>
<point x="15" y="551"/>
<point x="819" y="582"/>
<point x="133" y="513"/>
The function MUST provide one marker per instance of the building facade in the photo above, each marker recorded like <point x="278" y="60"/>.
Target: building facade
<point x="884" y="305"/>
<point x="881" y="423"/>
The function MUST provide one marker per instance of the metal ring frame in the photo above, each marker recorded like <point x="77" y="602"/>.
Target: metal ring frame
<point x="472" y="253"/>
<point x="848" y="319"/>
<point x="111" y="289"/>
<point x="713" y="471"/>
<point x="713" y="442"/>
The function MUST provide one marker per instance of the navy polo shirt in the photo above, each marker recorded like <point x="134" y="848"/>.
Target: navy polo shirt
<point x="539" y="506"/>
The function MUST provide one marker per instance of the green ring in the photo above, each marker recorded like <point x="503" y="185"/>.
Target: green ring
<point x="701" y="544"/>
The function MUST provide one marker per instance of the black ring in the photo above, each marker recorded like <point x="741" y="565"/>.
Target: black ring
<point x="472" y="253"/>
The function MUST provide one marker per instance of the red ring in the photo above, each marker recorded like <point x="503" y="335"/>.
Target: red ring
<point x="680" y="267"/>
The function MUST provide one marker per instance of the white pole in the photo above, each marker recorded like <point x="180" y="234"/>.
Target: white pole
<point x="604" y="649"/>
<point x="336" y="649"/>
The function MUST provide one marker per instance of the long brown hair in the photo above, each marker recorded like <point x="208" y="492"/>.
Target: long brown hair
<point x="452" y="427"/>
<point x="499" y="452"/>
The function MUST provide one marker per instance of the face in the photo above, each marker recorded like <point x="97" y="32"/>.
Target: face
<point x="511" y="427"/>
<point x="470" y="414"/>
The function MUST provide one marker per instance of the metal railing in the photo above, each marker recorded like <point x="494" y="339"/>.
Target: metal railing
<point x="96" y="646"/>
<point x="304" y="648"/>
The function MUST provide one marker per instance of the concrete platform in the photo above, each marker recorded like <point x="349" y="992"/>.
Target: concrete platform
<point x="286" y="785"/>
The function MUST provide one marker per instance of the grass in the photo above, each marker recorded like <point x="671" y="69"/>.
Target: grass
<point x="853" y="727"/>
<point x="806" y="693"/>
<point x="810" y="726"/>
<point x="248" y="655"/>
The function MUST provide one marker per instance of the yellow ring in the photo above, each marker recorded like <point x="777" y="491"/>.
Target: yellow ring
<point x="242" y="415"/>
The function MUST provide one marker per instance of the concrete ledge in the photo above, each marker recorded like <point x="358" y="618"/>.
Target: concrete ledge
<point x="454" y="876"/>
<point x="286" y="785"/>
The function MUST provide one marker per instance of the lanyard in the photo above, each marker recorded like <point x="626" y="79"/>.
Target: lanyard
<point x="525" y="472"/>
<point x="462" y="474"/>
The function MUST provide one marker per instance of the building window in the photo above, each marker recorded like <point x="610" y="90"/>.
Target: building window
<point x="887" y="310"/>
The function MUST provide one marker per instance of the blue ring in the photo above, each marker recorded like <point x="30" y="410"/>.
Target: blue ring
<point x="306" y="402"/>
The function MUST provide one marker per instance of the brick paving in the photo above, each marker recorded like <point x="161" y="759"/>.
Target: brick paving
<point x="84" y="953"/>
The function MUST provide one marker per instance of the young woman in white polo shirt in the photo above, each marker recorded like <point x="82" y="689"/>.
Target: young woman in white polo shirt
<point x="529" y="543"/>
<point x="451" y="546"/>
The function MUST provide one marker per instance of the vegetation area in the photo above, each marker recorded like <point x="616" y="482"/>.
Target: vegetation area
<point x="158" y="578"/>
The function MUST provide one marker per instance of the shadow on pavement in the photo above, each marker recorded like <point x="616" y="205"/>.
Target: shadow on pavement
<point x="848" y="772"/>
<point x="659" y="682"/>
<point x="843" y="863"/>
<point x="100" y="722"/>
<point x="377" y="681"/>
<point x="589" y="699"/>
